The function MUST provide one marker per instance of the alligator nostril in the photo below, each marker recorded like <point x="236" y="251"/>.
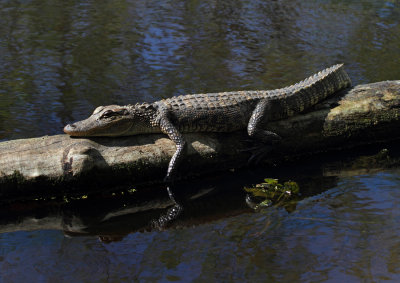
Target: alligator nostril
<point x="70" y="128"/>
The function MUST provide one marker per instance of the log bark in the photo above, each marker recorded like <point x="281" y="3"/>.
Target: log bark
<point x="54" y="165"/>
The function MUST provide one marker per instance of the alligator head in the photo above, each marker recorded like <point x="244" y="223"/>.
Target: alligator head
<point x="114" y="120"/>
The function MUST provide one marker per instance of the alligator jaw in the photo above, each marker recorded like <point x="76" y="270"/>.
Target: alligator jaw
<point x="88" y="128"/>
<point x="74" y="130"/>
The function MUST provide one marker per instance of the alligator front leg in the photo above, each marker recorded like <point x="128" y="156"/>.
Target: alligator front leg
<point x="169" y="129"/>
<point x="267" y="139"/>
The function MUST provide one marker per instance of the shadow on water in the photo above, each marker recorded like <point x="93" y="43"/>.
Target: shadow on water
<point x="112" y="216"/>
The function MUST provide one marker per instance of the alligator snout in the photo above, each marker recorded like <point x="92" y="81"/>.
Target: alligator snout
<point x="83" y="128"/>
<point x="69" y="129"/>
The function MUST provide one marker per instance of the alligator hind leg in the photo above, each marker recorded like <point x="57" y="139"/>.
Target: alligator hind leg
<point x="265" y="139"/>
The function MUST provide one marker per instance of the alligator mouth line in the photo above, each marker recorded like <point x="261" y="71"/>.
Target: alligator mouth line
<point x="72" y="131"/>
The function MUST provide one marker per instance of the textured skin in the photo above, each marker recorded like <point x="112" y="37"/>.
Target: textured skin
<point x="212" y="112"/>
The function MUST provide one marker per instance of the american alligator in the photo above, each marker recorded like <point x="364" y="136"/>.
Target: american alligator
<point x="212" y="112"/>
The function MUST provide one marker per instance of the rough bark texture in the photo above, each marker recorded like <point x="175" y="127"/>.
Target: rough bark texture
<point x="63" y="165"/>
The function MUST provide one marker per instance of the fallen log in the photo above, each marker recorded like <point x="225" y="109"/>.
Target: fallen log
<point x="54" y="165"/>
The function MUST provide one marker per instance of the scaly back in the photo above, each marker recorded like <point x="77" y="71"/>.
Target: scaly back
<point x="230" y="111"/>
<point x="293" y="99"/>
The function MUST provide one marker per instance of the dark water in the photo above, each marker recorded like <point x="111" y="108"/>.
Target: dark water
<point x="61" y="59"/>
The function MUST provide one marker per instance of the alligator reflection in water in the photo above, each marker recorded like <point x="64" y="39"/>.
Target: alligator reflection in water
<point x="116" y="216"/>
<point x="113" y="216"/>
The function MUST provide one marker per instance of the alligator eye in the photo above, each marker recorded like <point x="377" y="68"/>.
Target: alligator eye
<point x="114" y="113"/>
<point x="107" y="114"/>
